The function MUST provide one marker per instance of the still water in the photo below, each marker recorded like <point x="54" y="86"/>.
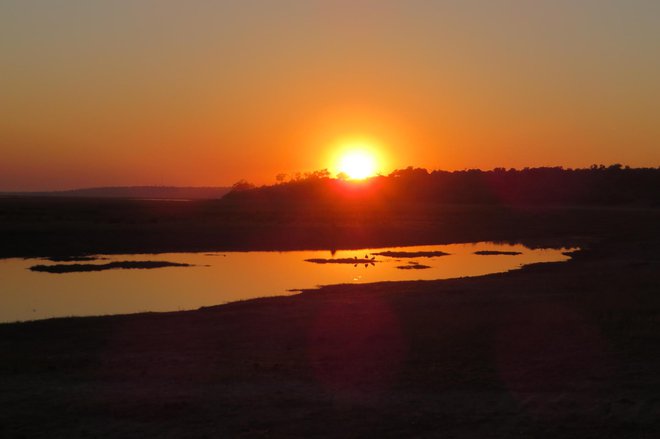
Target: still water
<point x="217" y="278"/>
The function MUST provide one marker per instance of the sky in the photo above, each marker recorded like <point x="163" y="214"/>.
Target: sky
<point x="204" y="93"/>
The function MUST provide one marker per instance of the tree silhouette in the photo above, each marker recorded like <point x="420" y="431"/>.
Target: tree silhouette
<point x="597" y="185"/>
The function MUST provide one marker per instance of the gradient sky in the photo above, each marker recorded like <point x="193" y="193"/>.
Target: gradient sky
<point x="165" y="92"/>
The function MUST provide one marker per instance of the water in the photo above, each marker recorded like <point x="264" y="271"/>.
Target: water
<point x="218" y="278"/>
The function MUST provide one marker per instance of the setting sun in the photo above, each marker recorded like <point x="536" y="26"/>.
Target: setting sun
<point x="358" y="164"/>
<point x="358" y="158"/>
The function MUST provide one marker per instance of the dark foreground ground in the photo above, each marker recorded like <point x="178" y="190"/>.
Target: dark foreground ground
<point x="552" y="350"/>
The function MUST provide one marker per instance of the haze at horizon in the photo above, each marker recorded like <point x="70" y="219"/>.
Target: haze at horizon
<point x="204" y="94"/>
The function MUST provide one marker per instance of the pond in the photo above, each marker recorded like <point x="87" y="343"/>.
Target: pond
<point x="204" y="279"/>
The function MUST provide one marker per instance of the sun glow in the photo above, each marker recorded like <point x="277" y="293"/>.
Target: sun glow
<point x="357" y="165"/>
<point x="357" y="162"/>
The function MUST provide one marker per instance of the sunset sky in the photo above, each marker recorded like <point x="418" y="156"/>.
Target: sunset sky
<point x="196" y="93"/>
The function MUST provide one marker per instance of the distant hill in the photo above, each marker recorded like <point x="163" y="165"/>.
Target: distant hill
<point x="155" y="192"/>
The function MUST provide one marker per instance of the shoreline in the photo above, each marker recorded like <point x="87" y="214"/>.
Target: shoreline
<point x="298" y="291"/>
<point x="229" y="278"/>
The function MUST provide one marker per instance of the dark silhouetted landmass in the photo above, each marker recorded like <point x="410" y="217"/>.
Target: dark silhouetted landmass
<point x="404" y="254"/>
<point x="341" y="261"/>
<point x="413" y="266"/>
<point x="142" y="192"/>
<point x="544" y="207"/>
<point x="73" y="258"/>
<point x="496" y="252"/>
<point x="598" y="185"/>
<point x="127" y="265"/>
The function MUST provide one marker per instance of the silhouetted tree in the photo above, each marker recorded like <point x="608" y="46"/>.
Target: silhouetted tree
<point x="241" y="185"/>
<point x="599" y="184"/>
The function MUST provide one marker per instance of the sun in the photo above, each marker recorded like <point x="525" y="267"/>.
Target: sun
<point x="357" y="164"/>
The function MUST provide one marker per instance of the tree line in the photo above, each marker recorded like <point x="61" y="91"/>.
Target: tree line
<point x="597" y="185"/>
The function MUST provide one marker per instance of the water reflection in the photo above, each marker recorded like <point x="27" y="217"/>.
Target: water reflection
<point x="216" y="278"/>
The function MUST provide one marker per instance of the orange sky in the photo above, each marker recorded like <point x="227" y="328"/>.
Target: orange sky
<point x="206" y="93"/>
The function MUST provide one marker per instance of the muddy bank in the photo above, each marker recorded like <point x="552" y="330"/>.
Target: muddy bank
<point x="342" y="261"/>
<point x="118" y="265"/>
<point x="413" y="266"/>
